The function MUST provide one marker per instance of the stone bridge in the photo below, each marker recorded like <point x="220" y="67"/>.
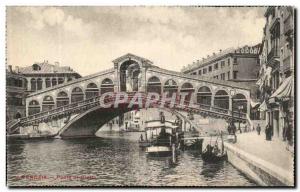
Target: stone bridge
<point x="74" y="106"/>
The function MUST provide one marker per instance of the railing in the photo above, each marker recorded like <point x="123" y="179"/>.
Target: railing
<point x="95" y="101"/>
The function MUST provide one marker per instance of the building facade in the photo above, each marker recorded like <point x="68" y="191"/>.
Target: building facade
<point x="276" y="76"/>
<point x="238" y="65"/>
<point x="15" y="95"/>
<point x="43" y="75"/>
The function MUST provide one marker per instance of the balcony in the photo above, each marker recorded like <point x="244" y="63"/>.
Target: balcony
<point x="272" y="56"/>
<point x="288" y="26"/>
<point x="287" y="64"/>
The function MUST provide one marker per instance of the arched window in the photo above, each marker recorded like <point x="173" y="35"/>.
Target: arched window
<point x="170" y="87"/>
<point x="204" y="95"/>
<point x="39" y="84"/>
<point x="91" y="90"/>
<point x="239" y="100"/>
<point x="48" y="103"/>
<point x="33" y="84"/>
<point x="107" y="85"/>
<point x="221" y="99"/>
<point x="33" y="107"/>
<point x="189" y="89"/>
<point x="48" y="82"/>
<point x="60" y="80"/>
<point x="154" y="85"/>
<point x="77" y="95"/>
<point x="62" y="99"/>
<point x="54" y="81"/>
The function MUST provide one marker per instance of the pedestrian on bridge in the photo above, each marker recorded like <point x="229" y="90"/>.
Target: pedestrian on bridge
<point x="258" y="129"/>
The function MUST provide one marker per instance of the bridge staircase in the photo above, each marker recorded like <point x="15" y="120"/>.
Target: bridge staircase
<point x="81" y="106"/>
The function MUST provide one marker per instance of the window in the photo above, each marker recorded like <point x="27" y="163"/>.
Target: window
<point x="199" y="72"/>
<point x="228" y="61"/>
<point x="216" y="77"/>
<point x="235" y="61"/>
<point x="216" y="66"/>
<point x="223" y="76"/>
<point x="228" y="75"/>
<point x="194" y="73"/>
<point x="209" y="68"/>
<point x="222" y="64"/>
<point x="235" y="73"/>
<point x="204" y="71"/>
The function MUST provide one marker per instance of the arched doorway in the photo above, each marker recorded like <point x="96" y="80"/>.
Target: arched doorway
<point x="48" y="103"/>
<point x="91" y="90"/>
<point x="129" y="76"/>
<point x="62" y="99"/>
<point x="107" y="85"/>
<point x="204" y="95"/>
<point x="170" y="87"/>
<point x="33" y="84"/>
<point x="33" y="107"/>
<point x="48" y="82"/>
<point x="189" y="89"/>
<point x="54" y="81"/>
<point x="154" y="85"/>
<point x="239" y="100"/>
<point x="77" y="95"/>
<point x="39" y="84"/>
<point x="221" y="99"/>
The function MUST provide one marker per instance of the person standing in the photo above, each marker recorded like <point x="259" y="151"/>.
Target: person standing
<point x="258" y="129"/>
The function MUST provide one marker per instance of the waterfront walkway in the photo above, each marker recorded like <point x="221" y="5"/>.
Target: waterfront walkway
<point x="268" y="163"/>
<point x="274" y="151"/>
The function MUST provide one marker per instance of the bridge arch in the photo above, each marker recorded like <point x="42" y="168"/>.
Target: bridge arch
<point x="221" y="99"/>
<point x="33" y="84"/>
<point x="33" y="107"/>
<point x="187" y="88"/>
<point x="54" y="81"/>
<point x="107" y="85"/>
<point x="62" y="99"/>
<point x="91" y="90"/>
<point x="154" y="85"/>
<point x="170" y="87"/>
<point x="77" y="95"/>
<point x="239" y="100"/>
<point x="204" y="95"/>
<point x="48" y="103"/>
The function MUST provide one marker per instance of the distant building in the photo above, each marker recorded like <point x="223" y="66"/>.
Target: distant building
<point x="43" y="75"/>
<point x="15" y="95"/>
<point x="240" y="65"/>
<point x="276" y="77"/>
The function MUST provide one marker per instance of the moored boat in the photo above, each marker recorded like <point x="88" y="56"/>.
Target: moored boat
<point x="213" y="153"/>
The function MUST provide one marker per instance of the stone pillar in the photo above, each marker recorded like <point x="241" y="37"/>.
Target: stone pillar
<point x="230" y="103"/>
<point x="28" y="84"/>
<point x="212" y="100"/>
<point x="44" y="83"/>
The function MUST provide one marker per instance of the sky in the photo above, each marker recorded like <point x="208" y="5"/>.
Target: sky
<point x="88" y="38"/>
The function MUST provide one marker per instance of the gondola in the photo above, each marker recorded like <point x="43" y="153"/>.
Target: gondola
<point x="213" y="154"/>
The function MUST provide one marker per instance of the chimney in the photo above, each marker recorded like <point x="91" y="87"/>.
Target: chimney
<point x="220" y="50"/>
<point x="10" y="68"/>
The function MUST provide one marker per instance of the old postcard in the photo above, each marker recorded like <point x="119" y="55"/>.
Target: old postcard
<point x="150" y="96"/>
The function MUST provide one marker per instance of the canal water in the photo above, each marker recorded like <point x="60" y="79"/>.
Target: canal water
<point x="114" y="159"/>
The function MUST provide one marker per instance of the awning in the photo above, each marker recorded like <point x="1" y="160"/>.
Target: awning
<point x="285" y="90"/>
<point x="263" y="106"/>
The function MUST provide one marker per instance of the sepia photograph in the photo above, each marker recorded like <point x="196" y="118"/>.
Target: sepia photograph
<point x="150" y="96"/>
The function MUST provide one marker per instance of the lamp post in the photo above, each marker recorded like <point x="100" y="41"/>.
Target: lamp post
<point x="240" y="107"/>
<point x="232" y="93"/>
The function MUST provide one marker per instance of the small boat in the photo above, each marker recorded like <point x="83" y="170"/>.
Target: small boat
<point x="192" y="143"/>
<point x="213" y="154"/>
<point x="159" y="150"/>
